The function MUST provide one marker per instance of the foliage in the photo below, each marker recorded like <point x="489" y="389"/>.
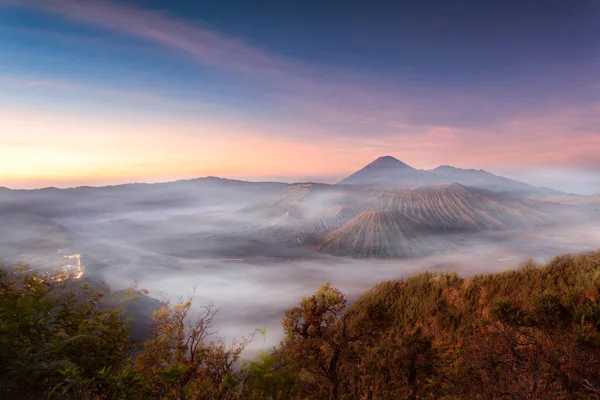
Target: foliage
<point x="178" y="362"/>
<point x="533" y="333"/>
<point x="52" y="335"/>
<point x="270" y="376"/>
<point x="58" y="342"/>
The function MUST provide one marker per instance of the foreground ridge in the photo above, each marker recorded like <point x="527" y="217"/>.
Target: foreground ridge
<point x="527" y="333"/>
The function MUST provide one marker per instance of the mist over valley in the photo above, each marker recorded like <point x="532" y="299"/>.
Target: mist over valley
<point x="255" y="248"/>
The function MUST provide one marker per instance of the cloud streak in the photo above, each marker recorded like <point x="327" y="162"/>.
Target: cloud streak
<point x="296" y="85"/>
<point x="207" y="47"/>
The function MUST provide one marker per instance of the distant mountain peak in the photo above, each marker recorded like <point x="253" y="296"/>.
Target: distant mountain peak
<point x="391" y="172"/>
<point x="442" y="168"/>
<point x="382" y="171"/>
<point x="388" y="162"/>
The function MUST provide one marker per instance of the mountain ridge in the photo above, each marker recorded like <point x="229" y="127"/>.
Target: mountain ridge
<point x="383" y="171"/>
<point x="399" y="222"/>
<point x="395" y="173"/>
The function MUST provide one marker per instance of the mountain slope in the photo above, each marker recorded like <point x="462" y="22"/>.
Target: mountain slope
<point x="395" y="222"/>
<point x="381" y="234"/>
<point x="454" y="207"/>
<point x="31" y="238"/>
<point x="451" y="207"/>
<point x="486" y="180"/>
<point x="389" y="171"/>
<point x="482" y="325"/>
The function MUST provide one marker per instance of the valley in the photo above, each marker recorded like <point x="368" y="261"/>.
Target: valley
<point x="255" y="248"/>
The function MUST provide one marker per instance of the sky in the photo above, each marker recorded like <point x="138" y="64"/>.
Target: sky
<point x="103" y="92"/>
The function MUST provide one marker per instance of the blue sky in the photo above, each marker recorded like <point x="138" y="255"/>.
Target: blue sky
<point x="154" y="90"/>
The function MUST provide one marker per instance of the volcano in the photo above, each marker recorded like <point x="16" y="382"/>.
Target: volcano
<point x="381" y="222"/>
<point x="381" y="234"/>
<point x="389" y="171"/>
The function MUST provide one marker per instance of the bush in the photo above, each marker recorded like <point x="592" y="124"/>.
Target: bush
<point x="54" y="338"/>
<point x="533" y="333"/>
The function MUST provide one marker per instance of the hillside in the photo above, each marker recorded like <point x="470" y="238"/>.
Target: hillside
<point x="31" y="237"/>
<point x="531" y="333"/>
<point x="381" y="234"/>
<point x="387" y="222"/>
<point x="454" y="207"/>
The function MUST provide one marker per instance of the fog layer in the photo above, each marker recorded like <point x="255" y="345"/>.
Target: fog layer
<point x="234" y="244"/>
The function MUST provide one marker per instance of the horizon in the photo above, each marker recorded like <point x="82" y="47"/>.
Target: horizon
<point x="103" y="92"/>
<point x="286" y="180"/>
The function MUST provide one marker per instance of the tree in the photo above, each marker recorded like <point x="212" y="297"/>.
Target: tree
<point x="271" y="376"/>
<point x="178" y="362"/>
<point x="318" y="337"/>
<point x="54" y="337"/>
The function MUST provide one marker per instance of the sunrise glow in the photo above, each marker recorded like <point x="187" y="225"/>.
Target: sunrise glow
<point x="166" y="97"/>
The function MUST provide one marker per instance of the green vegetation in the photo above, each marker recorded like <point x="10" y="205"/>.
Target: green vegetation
<point x="533" y="333"/>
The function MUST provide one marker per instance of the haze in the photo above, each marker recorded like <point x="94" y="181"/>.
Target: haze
<point x="255" y="249"/>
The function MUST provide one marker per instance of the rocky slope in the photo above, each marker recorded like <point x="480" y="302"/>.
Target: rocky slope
<point x="387" y="222"/>
<point x="381" y="234"/>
